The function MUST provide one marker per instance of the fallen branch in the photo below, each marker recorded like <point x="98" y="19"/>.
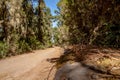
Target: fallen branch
<point x="50" y="72"/>
<point x="52" y="60"/>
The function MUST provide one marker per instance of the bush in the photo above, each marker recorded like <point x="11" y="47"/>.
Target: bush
<point x="109" y="36"/>
<point x="3" y="50"/>
<point x="23" y="46"/>
<point x="34" y="43"/>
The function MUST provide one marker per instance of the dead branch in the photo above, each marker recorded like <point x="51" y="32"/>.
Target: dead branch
<point x="50" y="72"/>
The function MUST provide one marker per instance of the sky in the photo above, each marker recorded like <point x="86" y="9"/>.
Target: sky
<point x="52" y="5"/>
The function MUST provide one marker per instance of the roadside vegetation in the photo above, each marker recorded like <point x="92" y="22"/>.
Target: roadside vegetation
<point x="91" y="28"/>
<point x="93" y="35"/>
<point x="24" y="26"/>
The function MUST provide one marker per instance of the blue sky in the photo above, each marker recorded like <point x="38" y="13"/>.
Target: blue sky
<point x="52" y="5"/>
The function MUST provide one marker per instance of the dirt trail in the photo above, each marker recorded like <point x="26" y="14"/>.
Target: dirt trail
<point x="32" y="66"/>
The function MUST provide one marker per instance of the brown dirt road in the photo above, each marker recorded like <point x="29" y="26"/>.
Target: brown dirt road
<point x="32" y="66"/>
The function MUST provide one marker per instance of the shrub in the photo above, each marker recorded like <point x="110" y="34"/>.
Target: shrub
<point x="3" y="50"/>
<point x="23" y="46"/>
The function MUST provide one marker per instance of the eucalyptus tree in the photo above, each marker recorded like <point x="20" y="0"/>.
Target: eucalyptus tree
<point x="44" y="23"/>
<point x="47" y="23"/>
<point x="24" y="26"/>
<point x="90" y="22"/>
<point x="3" y="19"/>
<point x="12" y="23"/>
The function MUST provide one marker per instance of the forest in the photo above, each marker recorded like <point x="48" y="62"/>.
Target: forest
<point x="94" y="22"/>
<point x="89" y="28"/>
<point x="25" y="26"/>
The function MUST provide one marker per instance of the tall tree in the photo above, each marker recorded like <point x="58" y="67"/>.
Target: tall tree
<point x="24" y="26"/>
<point x="90" y="22"/>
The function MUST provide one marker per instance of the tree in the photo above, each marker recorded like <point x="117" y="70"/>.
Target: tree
<point x="24" y="26"/>
<point x="89" y="21"/>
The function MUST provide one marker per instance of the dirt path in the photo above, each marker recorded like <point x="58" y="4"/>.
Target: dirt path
<point x="32" y="66"/>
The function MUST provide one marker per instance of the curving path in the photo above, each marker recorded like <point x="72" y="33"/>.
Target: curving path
<point x="32" y="66"/>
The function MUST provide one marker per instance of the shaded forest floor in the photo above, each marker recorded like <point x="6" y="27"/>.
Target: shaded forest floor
<point x="104" y="61"/>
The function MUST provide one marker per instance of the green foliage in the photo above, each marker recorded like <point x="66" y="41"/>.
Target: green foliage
<point x="91" y="21"/>
<point x="109" y="36"/>
<point x="28" y="27"/>
<point x="34" y="43"/>
<point x="24" y="46"/>
<point x="60" y="35"/>
<point x="3" y="49"/>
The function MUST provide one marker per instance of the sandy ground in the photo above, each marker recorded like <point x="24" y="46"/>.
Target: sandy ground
<point x="32" y="66"/>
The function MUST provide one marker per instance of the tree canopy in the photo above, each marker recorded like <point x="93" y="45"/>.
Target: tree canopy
<point x="24" y="26"/>
<point x="91" y="21"/>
